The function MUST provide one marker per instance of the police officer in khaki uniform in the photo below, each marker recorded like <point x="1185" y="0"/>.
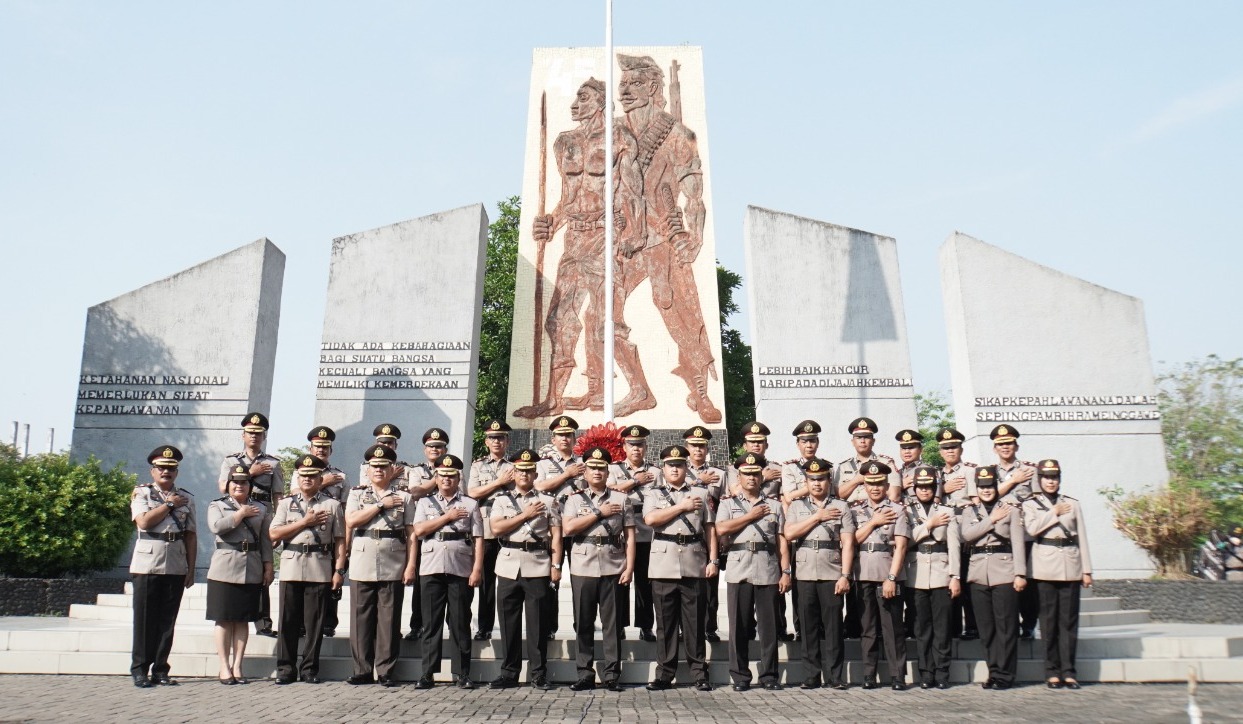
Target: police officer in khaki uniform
<point x="240" y="567"/>
<point x="560" y="474"/>
<point x="333" y="484"/>
<point x="634" y="476"/>
<point x="599" y="522"/>
<point x="958" y="492"/>
<point x="699" y="471"/>
<point x="755" y="441"/>
<point x="794" y="487"/>
<point x="311" y="528"/>
<point x="683" y="554"/>
<point x="910" y="452"/>
<point x="382" y="559"/>
<point x="822" y="531"/>
<point x="421" y="483"/>
<point x="268" y="487"/>
<point x="1016" y="482"/>
<point x="162" y="565"/>
<point x="388" y="435"/>
<point x="993" y="532"/>
<point x="527" y="522"/>
<point x="758" y="572"/>
<point x="489" y="475"/>
<point x="1061" y="564"/>
<point x="883" y="533"/>
<point x="932" y="576"/>
<point x="450" y="530"/>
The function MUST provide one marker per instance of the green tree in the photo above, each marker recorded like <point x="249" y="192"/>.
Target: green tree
<point x="735" y="360"/>
<point x="932" y="412"/>
<point x="60" y="516"/>
<point x="1201" y="406"/>
<point x="492" y="386"/>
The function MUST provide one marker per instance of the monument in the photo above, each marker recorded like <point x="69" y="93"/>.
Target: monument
<point x="828" y="329"/>
<point x="1064" y="361"/>
<point x="400" y="332"/>
<point x="180" y="362"/>
<point x="667" y="337"/>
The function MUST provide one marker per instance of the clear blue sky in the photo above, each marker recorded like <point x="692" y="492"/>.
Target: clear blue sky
<point x="1104" y="139"/>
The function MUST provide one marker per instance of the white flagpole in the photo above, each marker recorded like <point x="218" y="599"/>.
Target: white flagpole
<point x="608" y="210"/>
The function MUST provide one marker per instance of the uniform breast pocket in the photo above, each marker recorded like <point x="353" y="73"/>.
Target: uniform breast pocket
<point x="286" y="557"/>
<point x="506" y="553"/>
<point x="144" y="548"/>
<point x="360" y="545"/>
<point x="661" y="546"/>
<point x="802" y="556"/>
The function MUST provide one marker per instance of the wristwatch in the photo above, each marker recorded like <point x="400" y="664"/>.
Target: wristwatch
<point x="342" y="571"/>
<point x="171" y="505"/>
<point x="716" y="562"/>
<point x="891" y="577"/>
<point x="557" y="566"/>
<point x="787" y="571"/>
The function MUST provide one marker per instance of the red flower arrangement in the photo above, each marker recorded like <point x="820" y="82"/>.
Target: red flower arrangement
<point x="606" y="435"/>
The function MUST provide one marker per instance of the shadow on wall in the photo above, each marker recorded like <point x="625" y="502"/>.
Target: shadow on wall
<point x="413" y="416"/>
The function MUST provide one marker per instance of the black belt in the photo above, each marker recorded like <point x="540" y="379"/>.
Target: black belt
<point x="820" y="545"/>
<point x="530" y="545"/>
<point x="262" y="496"/>
<point x="449" y="535"/>
<point x="682" y="539"/>
<point x="875" y="548"/>
<point x="243" y="546"/>
<point x="1058" y="542"/>
<point x="167" y="536"/>
<point x="377" y="533"/>
<point x="599" y="540"/>
<point x="998" y="548"/>
<point x="324" y="548"/>
<point x="933" y="548"/>
<point x="752" y="547"/>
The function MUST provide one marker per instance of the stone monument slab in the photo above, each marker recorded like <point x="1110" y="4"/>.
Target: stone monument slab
<point x="828" y="330"/>
<point x="1067" y="363"/>
<point x="668" y="348"/>
<point x="180" y="362"/>
<point x="401" y="331"/>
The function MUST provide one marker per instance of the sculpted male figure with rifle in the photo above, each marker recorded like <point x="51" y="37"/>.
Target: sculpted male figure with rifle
<point x="580" y="272"/>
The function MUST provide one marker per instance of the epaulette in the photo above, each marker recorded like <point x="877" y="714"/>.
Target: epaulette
<point x="1028" y="463"/>
<point x="773" y="497"/>
<point x="187" y="492"/>
<point x="966" y="464"/>
<point x="360" y="487"/>
<point x="221" y="499"/>
<point x="1062" y="495"/>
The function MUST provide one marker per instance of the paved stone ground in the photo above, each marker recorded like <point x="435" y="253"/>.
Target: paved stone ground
<point x="112" y="698"/>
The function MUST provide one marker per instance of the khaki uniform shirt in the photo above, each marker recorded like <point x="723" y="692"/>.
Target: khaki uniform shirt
<point x="760" y="568"/>
<point x="821" y="564"/>
<point x="454" y="557"/>
<point x="793" y="476"/>
<point x="229" y="564"/>
<point x="993" y="569"/>
<point x="768" y="488"/>
<point x="161" y="556"/>
<point x="599" y="559"/>
<point x="401" y="482"/>
<point x="958" y="498"/>
<point x="310" y="567"/>
<point x="624" y="472"/>
<point x="485" y="471"/>
<point x="848" y="468"/>
<point x="270" y="483"/>
<point x="1050" y="562"/>
<point x="373" y="558"/>
<point x="694" y="475"/>
<point x="513" y="563"/>
<point x="551" y="467"/>
<point x="1022" y="491"/>
<point x="874" y="566"/>
<point x="418" y="477"/>
<point x="932" y="570"/>
<point x="337" y="491"/>
<point x="906" y="474"/>
<point x="669" y="560"/>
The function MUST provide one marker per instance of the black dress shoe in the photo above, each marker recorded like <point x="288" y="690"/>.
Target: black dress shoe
<point x="613" y="685"/>
<point x="898" y="685"/>
<point x="645" y="634"/>
<point x="1000" y="685"/>
<point x="503" y="682"/>
<point x="869" y="685"/>
<point x="925" y="684"/>
<point x="241" y="680"/>
<point x="312" y="679"/>
<point x="424" y="682"/>
<point x="266" y="632"/>
<point x="989" y="684"/>
<point x="388" y="682"/>
<point x="970" y="635"/>
<point x="703" y="685"/>
<point x="483" y="635"/>
<point x="943" y="685"/>
<point x="1071" y="684"/>
<point x="542" y="683"/>
<point x="772" y="686"/>
<point x="414" y="635"/>
<point x="743" y="686"/>
<point x="1027" y="634"/>
<point x="162" y="680"/>
<point x="360" y="680"/>
<point x="785" y="636"/>
<point x="713" y="637"/>
<point x="142" y="682"/>
<point x="660" y="685"/>
<point x="839" y="686"/>
<point x="583" y="684"/>
<point x="228" y="682"/>
<point x="812" y="683"/>
<point x="329" y="632"/>
<point x="284" y="680"/>
<point x="1053" y="684"/>
<point x="464" y="682"/>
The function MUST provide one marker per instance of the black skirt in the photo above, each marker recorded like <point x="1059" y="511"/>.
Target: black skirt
<point x="232" y="601"/>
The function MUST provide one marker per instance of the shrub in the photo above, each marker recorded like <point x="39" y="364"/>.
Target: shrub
<point x="59" y="516"/>
<point x="1165" y="523"/>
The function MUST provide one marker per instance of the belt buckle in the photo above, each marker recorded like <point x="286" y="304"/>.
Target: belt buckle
<point x="245" y="546"/>
<point x="170" y="536"/>
<point x="373" y="534"/>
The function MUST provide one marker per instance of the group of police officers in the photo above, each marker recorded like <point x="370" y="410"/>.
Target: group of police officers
<point x="869" y="548"/>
